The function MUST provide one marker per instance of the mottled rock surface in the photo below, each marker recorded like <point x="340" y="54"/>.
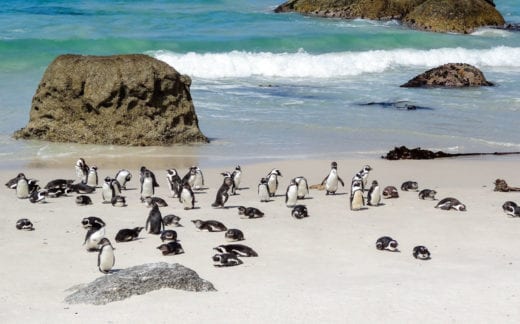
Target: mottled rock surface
<point x="121" y="99"/>
<point x="138" y="280"/>
<point x="453" y="75"/>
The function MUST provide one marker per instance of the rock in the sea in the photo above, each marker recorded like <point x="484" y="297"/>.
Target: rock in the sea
<point x="452" y="75"/>
<point x="138" y="280"/>
<point x="121" y="99"/>
<point x="460" y="16"/>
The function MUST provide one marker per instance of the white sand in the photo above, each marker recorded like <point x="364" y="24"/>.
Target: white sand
<point x="321" y="269"/>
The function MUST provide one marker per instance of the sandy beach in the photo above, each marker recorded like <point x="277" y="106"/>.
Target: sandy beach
<point x="324" y="268"/>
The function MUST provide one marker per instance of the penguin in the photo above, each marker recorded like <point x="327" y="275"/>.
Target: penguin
<point x="303" y="187"/>
<point x="142" y="172"/>
<point x="263" y="190"/>
<point x="11" y="184"/>
<point x="451" y="203"/>
<point x="174" y="182"/>
<point x="123" y="176"/>
<point x="357" y="201"/>
<point x="150" y="201"/>
<point x="421" y="252"/>
<point x="374" y="194"/>
<point x="291" y="195"/>
<point x="83" y="200"/>
<point x="118" y="201"/>
<point x="237" y="178"/>
<point x="93" y="238"/>
<point x="332" y="179"/>
<point x="107" y="190"/>
<point x="190" y="176"/>
<point x="92" y="176"/>
<point x="231" y="182"/>
<point x="427" y="193"/>
<point x="171" y="248"/>
<point x="209" y="225"/>
<point x="249" y="212"/>
<point x="117" y="187"/>
<point x="38" y="196"/>
<point x="226" y="260"/>
<point x="171" y="220"/>
<point x="147" y="184"/>
<point x="81" y="170"/>
<point x="237" y="249"/>
<point x="410" y="186"/>
<point x="233" y="235"/>
<point x="24" y="224"/>
<point x="198" y="182"/>
<point x="127" y="234"/>
<point x="168" y="235"/>
<point x="511" y="209"/>
<point x="299" y="212"/>
<point x="92" y="222"/>
<point x="80" y="188"/>
<point x="390" y="192"/>
<point x="58" y="184"/>
<point x="363" y="176"/>
<point x="106" y="258"/>
<point x="387" y="243"/>
<point x="22" y="187"/>
<point x="272" y="181"/>
<point x="222" y="193"/>
<point x="187" y="198"/>
<point x="57" y="192"/>
<point x="154" y="222"/>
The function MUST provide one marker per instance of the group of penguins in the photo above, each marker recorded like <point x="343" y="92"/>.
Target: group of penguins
<point x="182" y="188"/>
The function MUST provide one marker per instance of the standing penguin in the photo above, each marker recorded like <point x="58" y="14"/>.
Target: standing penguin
<point x="263" y="190"/>
<point x="303" y="187"/>
<point x="222" y="193"/>
<point x="92" y="176"/>
<point x="237" y="177"/>
<point x="198" y="182"/>
<point x="272" y="181"/>
<point x="81" y="170"/>
<point x="174" y="182"/>
<point x="107" y="190"/>
<point x="94" y="235"/>
<point x="22" y="186"/>
<point x="106" y="258"/>
<point x="363" y="175"/>
<point x="187" y="198"/>
<point x="123" y="176"/>
<point x="374" y="194"/>
<point x="154" y="221"/>
<point x="147" y="184"/>
<point x="190" y="176"/>
<point x="291" y="195"/>
<point x="332" y="179"/>
<point x="357" y="200"/>
<point x="116" y="186"/>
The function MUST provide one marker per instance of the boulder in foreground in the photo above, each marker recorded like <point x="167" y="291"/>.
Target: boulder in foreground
<point x="451" y="75"/>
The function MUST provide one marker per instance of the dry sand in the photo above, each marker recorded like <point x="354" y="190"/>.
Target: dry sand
<point x="324" y="268"/>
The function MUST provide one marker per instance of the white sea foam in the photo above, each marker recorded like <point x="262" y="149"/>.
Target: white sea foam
<point x="329" y="65"/>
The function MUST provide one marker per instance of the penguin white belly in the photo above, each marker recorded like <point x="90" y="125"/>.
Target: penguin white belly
<point x="186" y="199"/>
<point x="106" y="259"/>
<point x="375" y="197"/>
<point x="92" y="242"/>
<point x="106" y="192"/>
<point x="272" y="185"/>
<point x="92" y="179"/>
<point x="198" y="183"/>
<point x="263" y="193"/>
<point x="147" y="188"/>
<point x="22" y="189"/>
<point x="357" y="200"/>
<point x="292" y="196"/>
<point x="237" y="178"/>
<point x="302" y="189"/>
<point x="331" y="184"/>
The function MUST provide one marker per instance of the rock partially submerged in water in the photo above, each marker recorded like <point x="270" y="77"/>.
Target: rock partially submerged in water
<point x="404" y="153"/>
<point x="120" y="99"/>
<point x="138" y="280"/>
<point x="451" y="75"/>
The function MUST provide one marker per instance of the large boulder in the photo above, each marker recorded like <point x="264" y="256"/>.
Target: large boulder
<point x="460" y="16"/>
<point x="121" y="99"/>
<point x="451" y="75"/>
<point x="138" y="280"/>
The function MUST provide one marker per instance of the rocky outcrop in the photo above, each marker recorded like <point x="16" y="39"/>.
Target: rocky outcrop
<point x="404" y="153"/>
<point x="138" y="280"/>
<point x="452" y="75"/>
<point x="121" y="99"/>
<point x="461" y="16"/>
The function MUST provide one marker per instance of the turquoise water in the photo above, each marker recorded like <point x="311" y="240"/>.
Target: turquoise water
<point x="268" y="85"/>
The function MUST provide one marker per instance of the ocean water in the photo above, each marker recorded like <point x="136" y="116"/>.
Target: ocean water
<point x="270" y="86"/>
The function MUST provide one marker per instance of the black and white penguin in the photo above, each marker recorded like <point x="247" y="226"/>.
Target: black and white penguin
<point x="357" y="201"/>
<point x="511" y="209"/>
<point x="118" y="201"/>
<point x="147" y="184"/>
<point x="142" y="172"/>
<point x="92" y="176"/>
<point x="222" y="193"/>
<point x="172" y="220"/>
<point x="83" y="200"/>
<point x="249" y="212"/>
<point x="303" y="187"/>
<point x="123" y="176"/>
<point x="390" y="192"/>
<point x="173" y="248"/>
<point x="363" y="176"/>
<point x="106" y="258"/>
<point x="24" y="224"/>
<point x="154" y="222"/>
<point x="451" y="203"/>
<point x="58" y="184"/>
<point x="81" y="170"/>
<point x="427" y="194"/>
<point x="117" y="187"/>
<point x="80" y="188"/>
<point x="421" y="252"/>
<point x="226" y="260"/>
<point x="374" y="194"/>
<point x="128" y="234"/>
<point x="174" y="182"/>
<point x="107" y="190"/>
<point x="387" y="243"/>
<point x="93" y="238"/>
<point x="237" y="249"/>
<point x="22" y="187"/>
<point x="150" y="201"/>
<point x="209" y="225"/>
<point x="263" y="190"/>
<point x="233" y="235"/>
<point x="332" y="179"/>
<point x="38" y="196"/>
<point x="272" y="181"/>
<point x="187" y="198"/>
<point x="92" y="222"/>
<point x="198" y="182"/>
<point x="11" y="184"/>
<point x="190" y="176"/>
<point x="237" y="178"/>
<point x="299" y="212"/>
<point x="291" y="194"/>
<point x="410" y="186"/>
<point x="168" y="235"/>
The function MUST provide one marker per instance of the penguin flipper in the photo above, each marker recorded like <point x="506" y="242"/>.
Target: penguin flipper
<point x="341" y="181"/>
